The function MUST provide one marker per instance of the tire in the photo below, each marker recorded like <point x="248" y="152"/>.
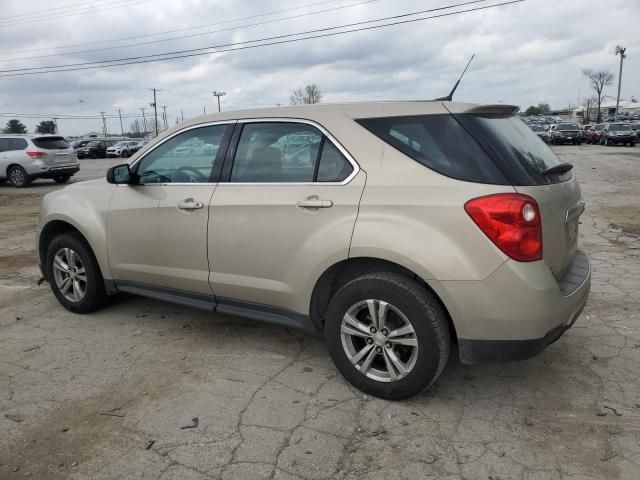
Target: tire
<point x="95" y="295"/>
<point x="408" y="303"/>
<point x="62" y="178"/>
<point x="93" y="155"/>
<point x="632" y="144"/>
<point x="18" y="176"/>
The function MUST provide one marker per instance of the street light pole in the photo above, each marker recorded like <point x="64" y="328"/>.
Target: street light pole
<point x="620" y="50"/>
<point x="121" y="127"/>
<point x="218" y="95"/>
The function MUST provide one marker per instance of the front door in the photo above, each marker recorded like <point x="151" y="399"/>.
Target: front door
<point x="287" y="206"/>
<point x="157" y="228"/>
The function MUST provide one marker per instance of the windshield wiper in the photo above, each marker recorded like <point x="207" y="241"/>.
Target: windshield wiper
<point x="560" y="168"/>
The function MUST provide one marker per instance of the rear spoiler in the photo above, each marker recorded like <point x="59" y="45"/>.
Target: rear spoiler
<point x="499" y="109"/>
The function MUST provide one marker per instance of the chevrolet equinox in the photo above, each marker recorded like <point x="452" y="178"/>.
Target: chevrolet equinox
<point x="397" y="228"/>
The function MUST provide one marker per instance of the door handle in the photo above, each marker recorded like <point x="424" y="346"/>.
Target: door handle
<point x="314" y="203"/>
<point x="190" y="204"/>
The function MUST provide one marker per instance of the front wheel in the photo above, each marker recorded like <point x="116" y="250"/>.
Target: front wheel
<point x="62" y="178"/>
<point x="74" y="274"/>
<point x="387" y="335"/>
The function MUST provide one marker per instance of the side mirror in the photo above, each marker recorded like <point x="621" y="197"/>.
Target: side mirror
<point x="120" y="174"/>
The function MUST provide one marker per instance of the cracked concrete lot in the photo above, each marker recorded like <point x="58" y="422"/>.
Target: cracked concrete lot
<point x="105" y="396"/>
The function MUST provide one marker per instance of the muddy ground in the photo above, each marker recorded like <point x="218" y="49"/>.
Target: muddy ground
<point x="107" y="395"/>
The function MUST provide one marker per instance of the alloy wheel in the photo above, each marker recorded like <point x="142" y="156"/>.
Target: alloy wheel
<point x="379" y="340"/>
<point x="17" y="176"/>
<point x="69" y="274"/>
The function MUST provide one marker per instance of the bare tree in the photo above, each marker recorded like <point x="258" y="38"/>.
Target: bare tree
<point x="310" y="94"/>
<point x="589" y="104"/>
<point x="136" y="130"/>
<point x="599" y="80"/>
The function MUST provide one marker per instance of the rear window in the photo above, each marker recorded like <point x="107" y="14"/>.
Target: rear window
<point x="620" y="127"/>
<point x="517" y="150"/>
<point x="50" y="143"/>
<point x="440" y="143"/>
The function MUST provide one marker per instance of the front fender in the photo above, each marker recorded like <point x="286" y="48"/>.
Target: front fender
<point x="84" y="207"/>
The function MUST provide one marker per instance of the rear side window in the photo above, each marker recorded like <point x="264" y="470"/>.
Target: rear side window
<point x="440" y="143"/>
<point x="17" y="144"/>
<point x="50" y="143"/>
<point x="519" y="152"/>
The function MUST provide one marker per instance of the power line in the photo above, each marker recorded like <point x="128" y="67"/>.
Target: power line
<point x="57" y="9"/>
<point x="146" y="35"/>
<point x="170" y="39"/>
<point x="275" y="40"/>
<point x="43" y="18"/>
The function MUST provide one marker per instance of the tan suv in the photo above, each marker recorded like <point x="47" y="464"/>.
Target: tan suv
<point x="397" y="228"/>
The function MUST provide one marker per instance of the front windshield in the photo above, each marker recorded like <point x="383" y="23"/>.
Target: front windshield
<point x="599" y="127"/>
<point x="92" y="144"/>
<point x="620" y="128"/>
<point x="567" y="126"/>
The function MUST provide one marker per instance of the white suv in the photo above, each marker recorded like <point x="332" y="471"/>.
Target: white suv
<point x="24" y="158"/>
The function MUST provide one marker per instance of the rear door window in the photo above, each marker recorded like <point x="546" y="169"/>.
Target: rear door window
<point x="440" y="143"/>
<point x="333" y="167"/>
<point x="51" y="143"/>
<point x="17" y="144"/>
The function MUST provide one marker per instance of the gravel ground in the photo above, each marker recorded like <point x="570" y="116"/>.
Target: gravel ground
<point x="109" y="395"/>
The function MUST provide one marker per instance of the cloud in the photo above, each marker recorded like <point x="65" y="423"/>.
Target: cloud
<point x="526" y="53"/>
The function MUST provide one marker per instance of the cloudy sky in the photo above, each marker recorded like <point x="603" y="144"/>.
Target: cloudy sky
<point x="526" y="53"/>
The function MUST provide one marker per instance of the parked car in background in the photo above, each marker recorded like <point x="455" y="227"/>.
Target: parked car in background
<point x="138" y="145"/>
<point x="586" y="129"/>
<point x="79" y="143"/>
<point x="121" y="149"/>
<point x="24" y="158"/>
<point x="618" y="134"/>
<point x="438" y="240"/>
<point x="539" y="131"/>
<point x="635" y="126"/>
<point x="565" y="133"/>
<point x="95" y="149"/>
<point x="595" y="134"/>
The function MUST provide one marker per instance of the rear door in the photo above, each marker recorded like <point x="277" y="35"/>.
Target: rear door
<point x="286" y="205"/>
<point x="57" y="149"/>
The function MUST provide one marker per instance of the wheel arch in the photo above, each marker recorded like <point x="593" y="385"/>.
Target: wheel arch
<point x="341" y="273"/>
<point x="54" y="228"/>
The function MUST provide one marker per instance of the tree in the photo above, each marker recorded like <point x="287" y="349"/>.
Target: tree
<point x="136" y="129"/>
<point x="588" y="104"/>
<point x="599" y="79"/>
<point x="310" y="94"/>
<point x="532" y="111"/>
<point x="544" y="108"/>
<point x="14" y="126"/>
<point x="46" y="126"/>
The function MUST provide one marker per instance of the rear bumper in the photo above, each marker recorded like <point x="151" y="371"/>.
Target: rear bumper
<point x="57" y="171"/>
<point x="517" y="311"/>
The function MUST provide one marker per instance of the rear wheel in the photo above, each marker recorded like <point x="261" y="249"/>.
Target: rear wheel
<point x="387" y="335"/>
<point x="18" y="176"/>
<point x="62" y="178"/>
<point x="74" y="274"/>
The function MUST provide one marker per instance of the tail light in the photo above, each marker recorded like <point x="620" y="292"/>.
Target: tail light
<point x="512" y="223"/>
<point x="35" y="154"/>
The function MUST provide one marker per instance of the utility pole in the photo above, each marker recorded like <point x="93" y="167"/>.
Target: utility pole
<point x="121" y="127"/>
<point x="620" y="50"/>
<point x="182" y="115"/>
<point x="164" y="116"/>
<point x="155" y="107"/>
<point x="218" y="95"/>
<point x="104" y="125"/>
<point x="144" y="121"/>
<point x="204" y="110"/>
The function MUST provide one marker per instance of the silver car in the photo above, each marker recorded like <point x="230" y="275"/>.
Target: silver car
<point x="396" y="228"/>
<point x="24" y="158"/>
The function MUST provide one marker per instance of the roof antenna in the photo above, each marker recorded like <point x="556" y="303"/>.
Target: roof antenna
<point x="449" y="97"/>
